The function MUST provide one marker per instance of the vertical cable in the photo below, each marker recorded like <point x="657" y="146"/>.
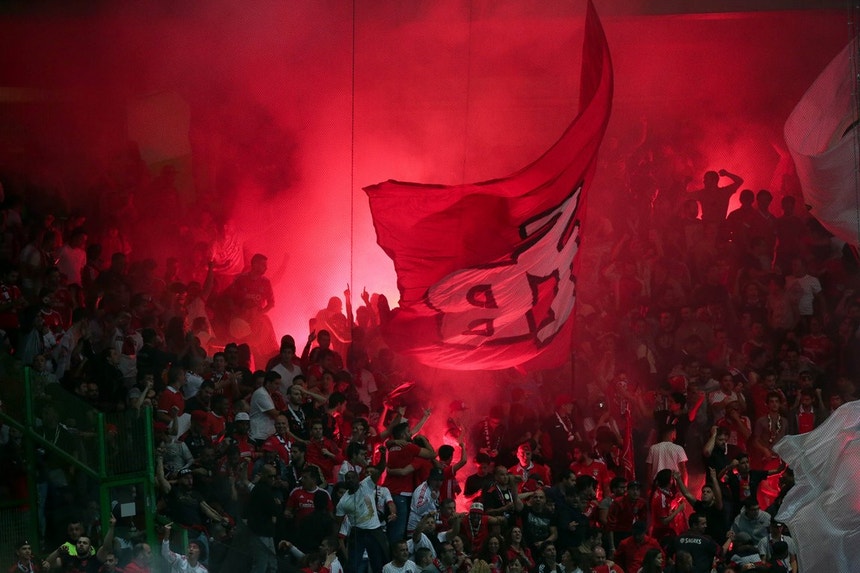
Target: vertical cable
<point x="854" y="36"/>
<point x="352" y="158"/>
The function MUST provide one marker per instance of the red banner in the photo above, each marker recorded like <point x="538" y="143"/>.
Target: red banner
<point x="487" y="271"/>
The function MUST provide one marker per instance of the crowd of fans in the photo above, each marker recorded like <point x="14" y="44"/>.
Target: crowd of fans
<point x="709" y="338"/>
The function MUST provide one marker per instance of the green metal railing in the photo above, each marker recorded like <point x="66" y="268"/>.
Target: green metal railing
<point x="115" y="450"/>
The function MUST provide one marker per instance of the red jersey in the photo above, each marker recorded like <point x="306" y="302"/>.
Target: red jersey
<point x="624" y="512"/>
<point x="215" y="426"/>
<point x="596" y="469"/>
<point x="630" y="554"/>
<point x="473" y="536"/>
<point x="10" y="297"/>
<point x="52" y="319"/>
<point x="664" y="503"/>
<point x="301" y="502"/>
<point x="280" y="445"/>
<point x="533" y="477"/>
<point x="169" y="398"/>
<point x="315" y="456"/>
<point x="450" y="487"/>
<point x="400" y="456"/>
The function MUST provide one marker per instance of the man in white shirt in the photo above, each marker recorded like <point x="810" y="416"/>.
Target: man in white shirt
<point x="188" y="563"/>
<point x="425" y="499"/>
<point x="400" y="562"/>
<point x="358" y="505"/>
<point x="262" y="410"/>
<point x="667" y="455"/>
<point x="420" y="537"/>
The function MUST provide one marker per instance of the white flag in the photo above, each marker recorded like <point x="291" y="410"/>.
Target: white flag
<point x="824" y="139"/>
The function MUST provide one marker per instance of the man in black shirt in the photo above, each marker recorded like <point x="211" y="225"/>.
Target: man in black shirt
<point x="743" y="482"/>
<point x="262" y="512"/>
<point x="710" y="506"/>
<point x="482" y="479"/>
<point x="695" y="542"/>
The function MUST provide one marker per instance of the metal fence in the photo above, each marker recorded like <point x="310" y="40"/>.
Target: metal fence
<point x="105" y="459"/>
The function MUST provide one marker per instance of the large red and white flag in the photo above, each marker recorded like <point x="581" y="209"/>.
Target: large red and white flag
<point x="824" y="140"/>
<point x="487" y="271"/>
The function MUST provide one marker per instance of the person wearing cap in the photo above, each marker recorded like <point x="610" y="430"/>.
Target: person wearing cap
<point x="26" y="561"/>
<point x="766" y="546"/>
<point x="186" y="505"/>
<point x="625" y="510"/>
<point x="425" y="499"/>
<point x="188" y="563"/>
<point x="631" y="551"/>
<point x="475" y="529"/>
<point x="239" y="437"/>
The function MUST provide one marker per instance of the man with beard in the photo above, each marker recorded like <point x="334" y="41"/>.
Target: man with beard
<point x="539" y="523"/>
<point x="83" y="559"/>
<point x="358" y="505"/>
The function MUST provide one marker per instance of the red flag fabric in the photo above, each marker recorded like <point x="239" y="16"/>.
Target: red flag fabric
<point x="487" y="271"/>
<point x="627" y="448"/>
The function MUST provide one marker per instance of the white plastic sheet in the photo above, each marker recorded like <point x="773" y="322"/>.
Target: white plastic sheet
<point x="825" y="155"/>
<point x="823" y="508"/>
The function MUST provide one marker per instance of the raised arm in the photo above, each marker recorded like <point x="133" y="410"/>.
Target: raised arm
<point x="682" y="487"/>
<point x="107" y="543"/>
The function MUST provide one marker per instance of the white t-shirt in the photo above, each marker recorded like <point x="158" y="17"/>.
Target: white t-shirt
<point x="360" y="507"/>
<point x="803" y="290"/>
<point x="70" y="261"/>
<point x="262" y="426"/>
<point x="665" y="455"/>
<point x="287" y="376"/>
<point x="408" y="567"/>
<point x="424" y="541"/>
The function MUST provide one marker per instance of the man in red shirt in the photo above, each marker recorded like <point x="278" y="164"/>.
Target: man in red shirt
<point x="529" y="475"/>
<point x="630" y="552"/>
<point x="300" y="504"/>
<point x="625" y="511"/>
<point x="323" y="452"/>
<point x="171" y="403"/>
<point x="401" y="453"/>
<point x="280" y="441"/>
<point x="584" y="465"/>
